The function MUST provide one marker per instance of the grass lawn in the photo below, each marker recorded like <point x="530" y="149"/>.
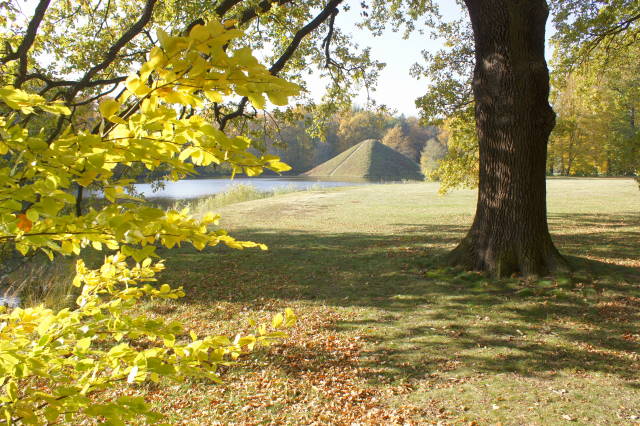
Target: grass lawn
<point x="387" y="336"/>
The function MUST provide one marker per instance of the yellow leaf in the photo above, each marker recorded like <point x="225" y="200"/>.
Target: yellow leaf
<point x="109" y="108"/>
<point x="278" y="98"/>
<point x="279" y="166"/>
<point x="199" y="33"/>
<point x="169" y="340"/>
<point x="257" y="100"/>
<point x="277" y="320"/>
<point x="290" y="317"/>
<point x="12" y="390"/>
<point x="137" y="86"/>
<point x="213" y="96"/>
<point x="253" y="171"/>
<point x="56" y="108"/>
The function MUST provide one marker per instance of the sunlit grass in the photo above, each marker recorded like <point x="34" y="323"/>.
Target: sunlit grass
<point x="236" y="194"/>
<point x="40" y="281"/>
<point x="388" y="335"/>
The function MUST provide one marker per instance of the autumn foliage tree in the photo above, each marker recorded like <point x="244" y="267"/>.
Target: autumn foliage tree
<point x="597" y="104"/>
<point x="514" y="119"/>
<point x="55" y="364"/>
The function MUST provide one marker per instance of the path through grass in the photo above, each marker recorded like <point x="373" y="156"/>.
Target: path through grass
<point x="388" y="336"/>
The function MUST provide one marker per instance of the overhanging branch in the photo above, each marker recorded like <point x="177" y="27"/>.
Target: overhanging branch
<point x="27" y="42"/>
<point x="329" y="10"/>
<point x="326" y="43"/>
<point x="112" y="53"/>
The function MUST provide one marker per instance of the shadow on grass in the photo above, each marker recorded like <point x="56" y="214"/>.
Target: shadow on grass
<point x="613" y="237"/>
<point x="420" y="318"/>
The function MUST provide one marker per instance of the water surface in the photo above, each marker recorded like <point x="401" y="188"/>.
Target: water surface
<point x="195" y="188"/>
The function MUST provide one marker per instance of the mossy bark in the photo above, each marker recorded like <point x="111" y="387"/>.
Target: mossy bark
<point x="513" y="119"/>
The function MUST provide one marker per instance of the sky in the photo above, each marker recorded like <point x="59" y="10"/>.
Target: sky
<point x="396" y="88"/>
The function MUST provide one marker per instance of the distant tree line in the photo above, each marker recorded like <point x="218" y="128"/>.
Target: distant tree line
<point x="597" y="105"/>
<point x="302" y="151"/>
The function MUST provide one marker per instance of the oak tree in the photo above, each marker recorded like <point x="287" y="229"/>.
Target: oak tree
<point x="510" y="233"/>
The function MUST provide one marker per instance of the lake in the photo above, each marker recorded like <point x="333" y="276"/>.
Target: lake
<point x="195" y="188"/>
<point x="9" y="301"/>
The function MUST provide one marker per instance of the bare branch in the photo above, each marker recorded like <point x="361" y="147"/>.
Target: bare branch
<point x="326" y="43"/>
<point x="27" y="42"/>
<point x="225" y="6"/>
<point x="104" y="19"/>
<point x="303" y="32"/>
<point x="51" y="83"/>
<point x="96" y="97"/>
<point x="112" y="54"/>
<point x="327" y="11"/>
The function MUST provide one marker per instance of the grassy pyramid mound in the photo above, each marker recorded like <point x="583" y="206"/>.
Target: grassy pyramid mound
<point x="369" y="159"/>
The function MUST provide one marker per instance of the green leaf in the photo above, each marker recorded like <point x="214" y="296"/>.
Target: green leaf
<point x="51" y="413"/>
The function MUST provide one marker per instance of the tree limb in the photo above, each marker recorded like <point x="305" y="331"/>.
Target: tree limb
<point x="326" y="43"/>
<point x="245" y="16"/>
<point x="263" y="7"/>
<point x="50" y="83"/>
<point x="225" y="6"/>
<point x="27" y="42"/>
<point x="96" y="97"/>
<point x="327" y="11"/>
<point x="303" y="32"/>
<point x="112" y="53"/>
<point x="221" y="10"/>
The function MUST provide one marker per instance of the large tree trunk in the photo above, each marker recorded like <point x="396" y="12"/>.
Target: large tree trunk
<point x="509" y="234"/>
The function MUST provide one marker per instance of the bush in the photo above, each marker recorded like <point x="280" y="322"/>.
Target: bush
<point x="459" y="168"/>
<point x="431" y="155"/>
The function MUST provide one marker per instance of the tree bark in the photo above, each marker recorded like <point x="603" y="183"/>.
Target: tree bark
<point x="510" y="234"/>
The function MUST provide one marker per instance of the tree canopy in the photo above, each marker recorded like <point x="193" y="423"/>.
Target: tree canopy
<point x="94" y="94"/>
<point x="593" y="43"/>
<point x="56" y="364"/>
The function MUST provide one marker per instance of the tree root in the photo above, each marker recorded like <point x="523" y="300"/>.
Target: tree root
<point x="509" y="259"/>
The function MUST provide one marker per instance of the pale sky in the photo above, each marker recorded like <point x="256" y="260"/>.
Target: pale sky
<point x="396" y="88"/>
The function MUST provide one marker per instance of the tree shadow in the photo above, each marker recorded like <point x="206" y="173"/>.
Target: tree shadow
<point x="422" y="318"/>
<point x="613" y="237"/>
